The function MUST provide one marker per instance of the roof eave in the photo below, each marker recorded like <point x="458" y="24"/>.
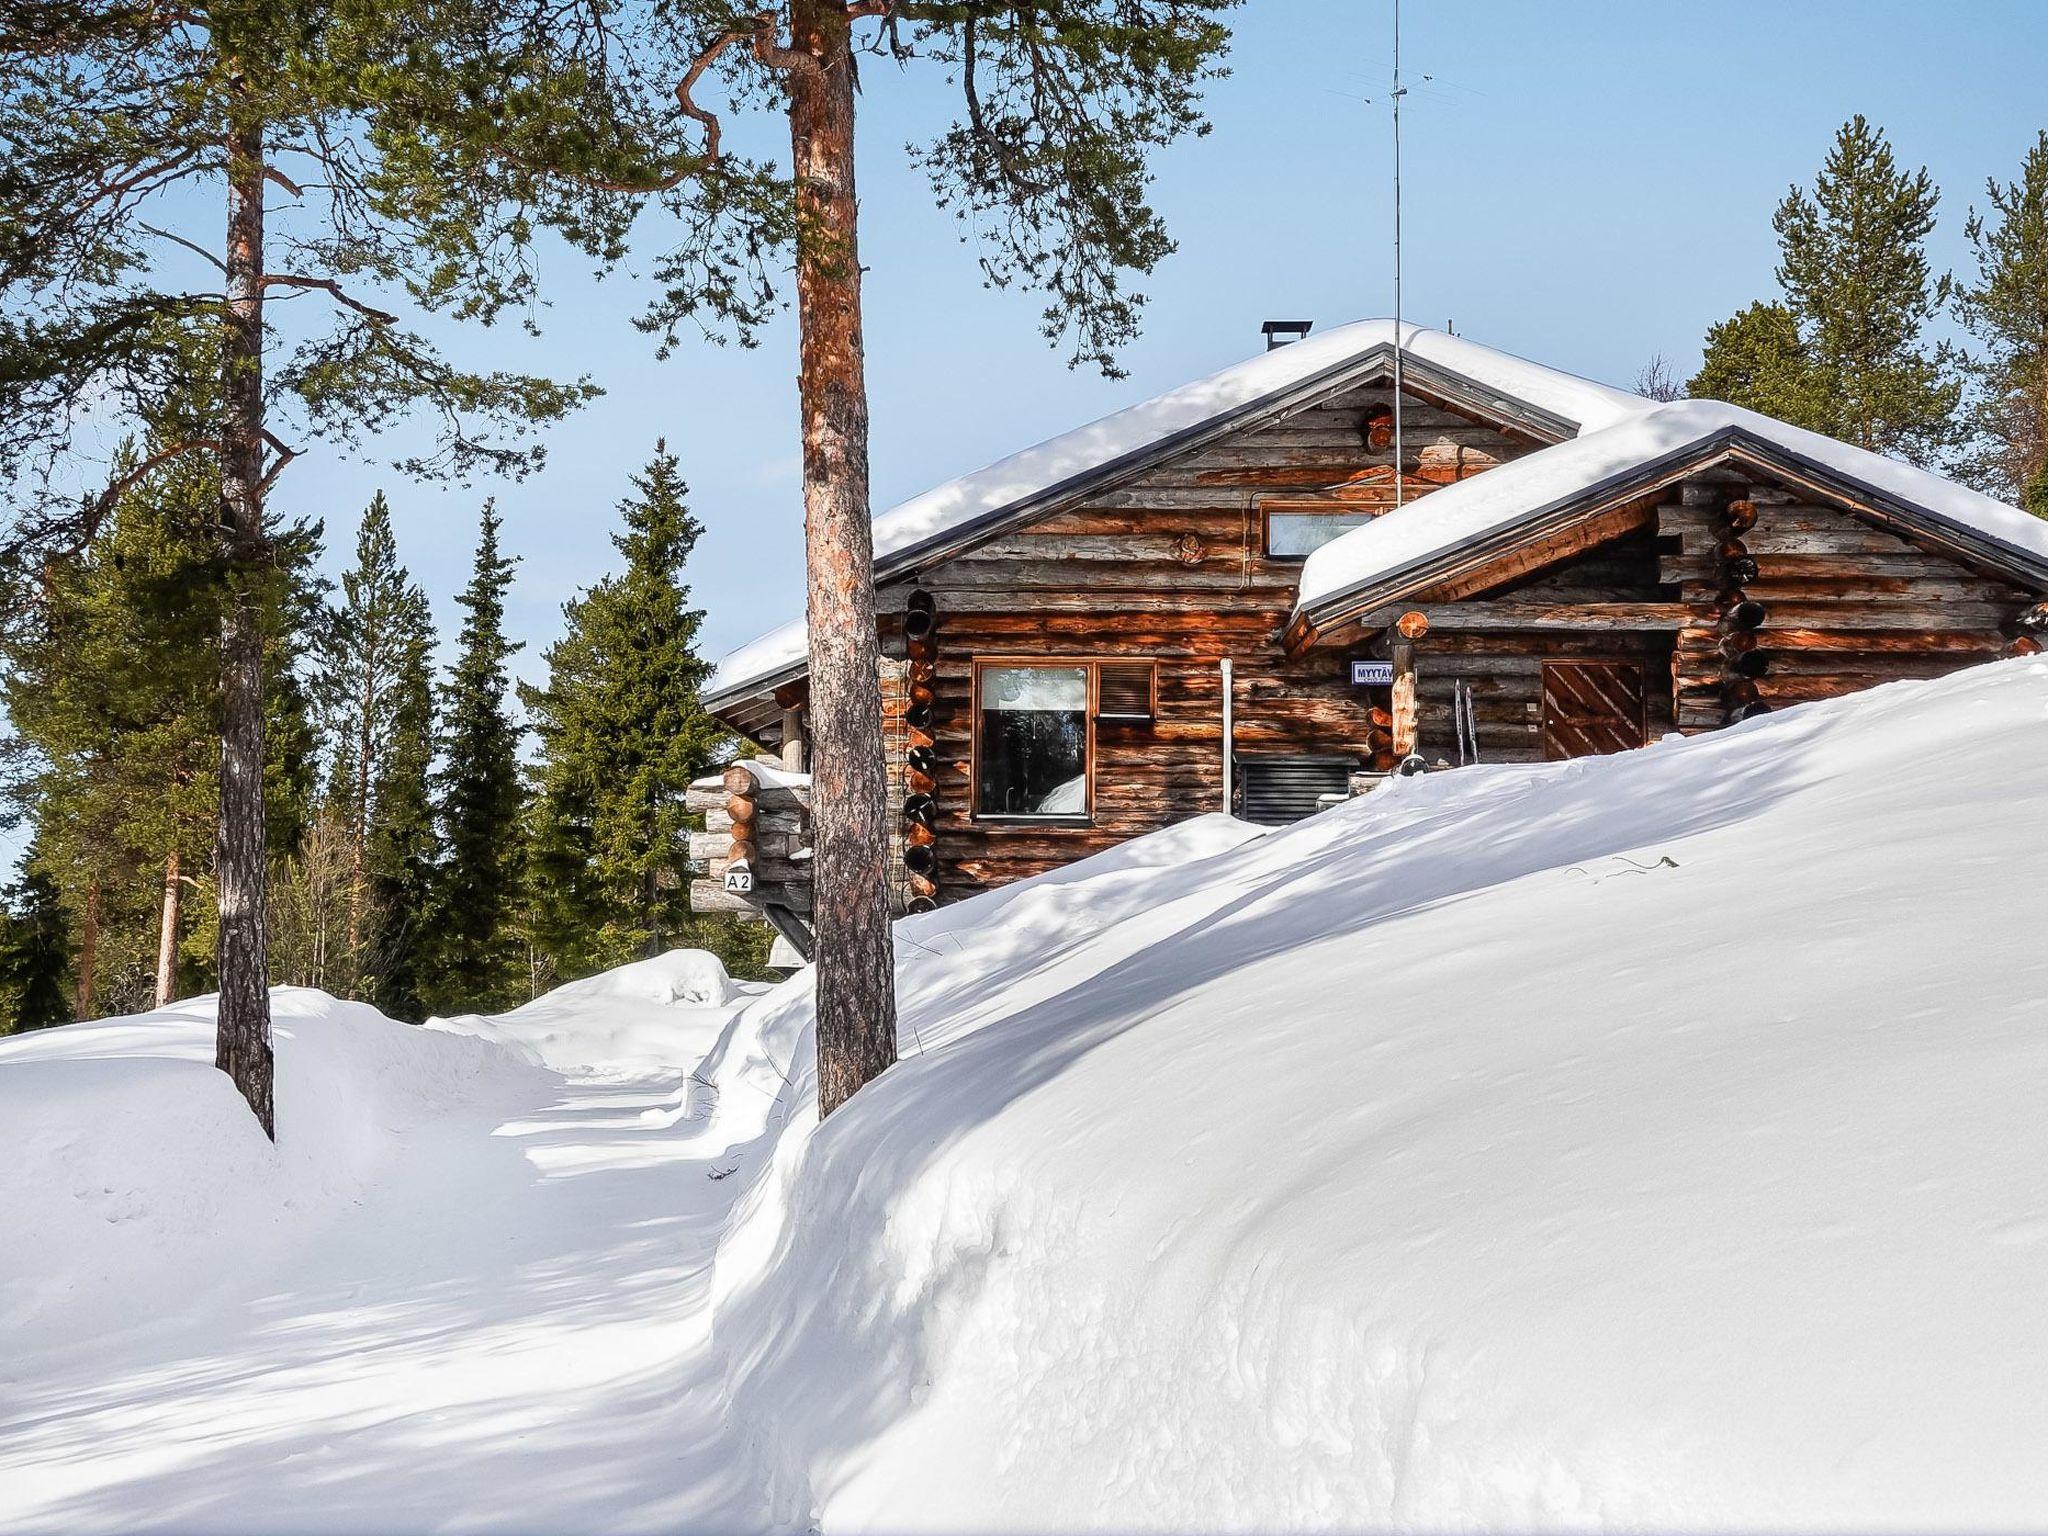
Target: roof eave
<point x="1652" y="475"/>
<point x="1404" y="581"/>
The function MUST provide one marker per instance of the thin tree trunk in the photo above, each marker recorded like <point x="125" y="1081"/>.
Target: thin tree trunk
<point x="242" y="1048"/>
<point x="167" y="940"/>
<point x="856" y="971"/>
<point x="359" y="826"/>
<point x="88" y="947"/>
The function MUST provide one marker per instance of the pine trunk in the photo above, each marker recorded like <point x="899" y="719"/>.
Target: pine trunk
<point x="242" y="1048"/>
<point x="167" y="939"/>
<point x="855" y="965"/>
<point x="88" y="947"/>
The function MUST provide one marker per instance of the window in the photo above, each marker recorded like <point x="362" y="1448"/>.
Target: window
<point x="1295" y="533"/>
<point x="1031" y="741"/>
<point x="1123" y="691"/>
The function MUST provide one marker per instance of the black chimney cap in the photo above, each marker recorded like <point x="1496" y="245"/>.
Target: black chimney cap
<point x="1279" y="333"/>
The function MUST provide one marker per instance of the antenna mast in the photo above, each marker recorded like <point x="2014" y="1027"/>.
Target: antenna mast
<point x="1399" y="92"/>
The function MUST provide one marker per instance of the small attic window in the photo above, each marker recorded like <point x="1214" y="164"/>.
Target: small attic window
<point x="1296" y="531"/>
<point x="1125" y="690"/>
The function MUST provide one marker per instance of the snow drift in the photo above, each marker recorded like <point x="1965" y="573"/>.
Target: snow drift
<point x="1650" y="1141"/>
<point x="663" y="1012"/>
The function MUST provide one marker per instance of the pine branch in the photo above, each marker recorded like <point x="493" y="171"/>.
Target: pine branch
<point x="191" y="245"/>
<point x="329" y="286"/>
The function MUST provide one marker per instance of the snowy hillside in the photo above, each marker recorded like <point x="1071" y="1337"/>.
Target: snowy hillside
<point x="1651" y="1140"/>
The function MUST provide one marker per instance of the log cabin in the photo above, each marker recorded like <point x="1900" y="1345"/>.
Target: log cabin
<point x="1239" y="596"/>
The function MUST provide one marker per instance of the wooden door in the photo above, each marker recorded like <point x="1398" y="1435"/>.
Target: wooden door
<point x="1591" y="707"/>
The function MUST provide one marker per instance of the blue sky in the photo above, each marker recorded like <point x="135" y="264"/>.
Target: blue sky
<point x="1589" y="182"/>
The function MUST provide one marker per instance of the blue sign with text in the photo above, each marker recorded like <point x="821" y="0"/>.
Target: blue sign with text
<point x="1372" y="674"/>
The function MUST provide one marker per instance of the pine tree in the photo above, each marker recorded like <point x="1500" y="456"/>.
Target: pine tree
<point x="402" y="845"/>
<point x="1758" y="361"/>
<point x="374" y="630"/>
<point x="1845" y="352"/>
<point x="478" y="963"/>
<point x="35" y="951"/>
<point x="622" y="735"/>
<point x="2035" y="496"/>
<point x="112" y="681"/>
<point x="1061" y="104"/>
<point x="1853" y="264"/>
<point x="421" y="148"/>
<point x="2006" y="309"/>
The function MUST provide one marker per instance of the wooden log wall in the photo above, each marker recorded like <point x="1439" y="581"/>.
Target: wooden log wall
<point x="1604" y="604"/>
<point x="1170" y="567"/>
<point x="895" y="752"/>
<point x="750" y="821"/>
<point x="1829" y="602"/>
<point x="919" y="851"/>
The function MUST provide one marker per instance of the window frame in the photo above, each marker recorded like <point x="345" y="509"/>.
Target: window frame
<point x="1297" y="507"/>
<point x="1091" y="667"/>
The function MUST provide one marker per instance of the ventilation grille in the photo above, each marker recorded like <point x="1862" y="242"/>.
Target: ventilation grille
<point x="1124" y="691"/>
<point x="1276" y="790"/>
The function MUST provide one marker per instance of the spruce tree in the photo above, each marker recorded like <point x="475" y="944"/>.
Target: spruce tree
<point x="401" y="844"/>
<point x="374" y="629"/>
<point x="622" y="734"/>
<point x="35" y="951"/>
<point x="2005" y="307"/>
<point x="477" y="959"/>
<point x="1853" y="265"/>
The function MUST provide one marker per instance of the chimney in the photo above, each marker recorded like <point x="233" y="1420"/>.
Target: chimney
<point x="1279" y="333"/>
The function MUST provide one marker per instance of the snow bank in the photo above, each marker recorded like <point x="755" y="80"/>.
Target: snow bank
<point x="1522" y="492"/>
<point x="127" y="1152"/>
<point x="1651" y="1141"/>
<point x="663" y="1013"/>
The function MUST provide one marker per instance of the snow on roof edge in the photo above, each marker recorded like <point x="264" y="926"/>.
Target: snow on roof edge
<point x="1408" y="540"/>
<point x="986" y="492"/>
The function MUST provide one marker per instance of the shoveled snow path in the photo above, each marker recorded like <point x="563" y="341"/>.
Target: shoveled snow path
<point x="507" y="1330"/>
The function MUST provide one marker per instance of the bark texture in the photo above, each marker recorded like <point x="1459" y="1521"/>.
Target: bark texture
<point x="856" y="965"/>
<point x="88" y="948"/>
<point x="167" y="937"/>
<point x="242" y="1048"/>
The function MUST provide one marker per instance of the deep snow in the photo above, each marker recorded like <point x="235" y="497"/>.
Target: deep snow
<point x="1652" y="1141"/>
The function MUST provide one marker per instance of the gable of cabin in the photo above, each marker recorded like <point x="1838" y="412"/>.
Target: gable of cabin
<point x="1122" y="610"/>
<point x="1729" y="592"/>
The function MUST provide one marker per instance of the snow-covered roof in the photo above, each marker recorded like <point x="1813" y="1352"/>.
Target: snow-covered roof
<point x="1384" y="560"/>
<point x="1017" y="484"/>
<point x="951" y="508"/>
<point x="766" y="661"/>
